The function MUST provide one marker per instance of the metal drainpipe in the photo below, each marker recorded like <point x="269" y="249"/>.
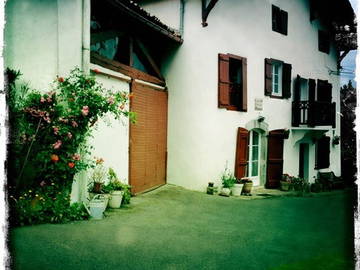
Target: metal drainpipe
<point x="182" y="14"/>
<point x="86" y="36"/>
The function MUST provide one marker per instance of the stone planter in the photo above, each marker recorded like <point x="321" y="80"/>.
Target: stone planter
<point x="247" y="188"/>
<point x="285" y="186"/>
<point x="237" y="189"/>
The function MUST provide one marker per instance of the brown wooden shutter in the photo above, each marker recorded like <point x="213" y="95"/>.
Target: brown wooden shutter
<point x="284" y="22"/>
<point x="224" y="82"/>
<point x="328" y="91"/>
<point x="286" y="81"/>
<point x="268" y="77"/>
<point x="275" y="158"/>
<point x="324" y="91"/>
<point x="241" y="153"/>
<point x="275" y="18"/>
<point x="324" y="41"/>
<point x="312" y="86"/>
<point x="322" y="160"/>
<point x="243" y="105"/>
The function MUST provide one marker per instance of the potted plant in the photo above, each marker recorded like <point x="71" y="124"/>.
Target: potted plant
<point x="228" y="181"/>
<point x="118" y="190"/>
<point x="248" y="183"/>
<point x="237" y="188"/>
<point x="286" y="182"/>
<point x="97" y="179"/>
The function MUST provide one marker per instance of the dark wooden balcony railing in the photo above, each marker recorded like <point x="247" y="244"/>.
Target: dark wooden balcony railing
<point x="313" y="113"/>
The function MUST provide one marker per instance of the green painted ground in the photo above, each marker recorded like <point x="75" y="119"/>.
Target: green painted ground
<point x="173" y="228"/>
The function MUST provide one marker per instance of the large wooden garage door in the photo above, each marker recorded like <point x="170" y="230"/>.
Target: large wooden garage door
<point x="148" y="138"/>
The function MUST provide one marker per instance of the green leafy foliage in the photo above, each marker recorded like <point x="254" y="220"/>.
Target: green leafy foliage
<point x="48" y="138"/>
<point x="348" y="135"/>
<point x="227" y="179"/>
<point x="116" y="184"/>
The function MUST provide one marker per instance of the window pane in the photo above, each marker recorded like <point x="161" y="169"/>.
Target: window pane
<point x="255" y="138"/>
<point x="255" y="154"/>
<point x="254" y="170"/>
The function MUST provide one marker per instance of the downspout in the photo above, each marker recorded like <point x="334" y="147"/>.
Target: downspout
<point x="182" y="14"/>
<point x="86" y="7"/>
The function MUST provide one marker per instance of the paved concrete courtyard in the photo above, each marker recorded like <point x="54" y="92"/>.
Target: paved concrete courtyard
<point x="173" y="228"/>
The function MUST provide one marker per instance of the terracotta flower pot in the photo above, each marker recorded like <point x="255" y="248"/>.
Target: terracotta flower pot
<point x="97" y="187"/>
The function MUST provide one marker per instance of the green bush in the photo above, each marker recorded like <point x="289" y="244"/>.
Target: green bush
<point x="48" y="139"/>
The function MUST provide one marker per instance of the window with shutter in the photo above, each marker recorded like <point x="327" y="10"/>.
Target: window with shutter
<point x="277" y="78"/>
<point x="232" y="83"/>
<point x="279" y="20"/>
<point x="241" y="158"/>
<point x="324" y="41"/>
<point x="324" y="91"/>
<point x="322" y="151"/>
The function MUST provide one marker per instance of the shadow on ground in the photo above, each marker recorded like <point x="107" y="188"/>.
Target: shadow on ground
<point x="173" y="228"/>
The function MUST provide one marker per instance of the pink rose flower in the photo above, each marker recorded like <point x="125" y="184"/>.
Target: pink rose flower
<point x="85" y="110"/>
<point x="56" y="130"/>
<point x="74" y="124"/>
<point x="42" y="99"/>
<point x="57" y="144"/>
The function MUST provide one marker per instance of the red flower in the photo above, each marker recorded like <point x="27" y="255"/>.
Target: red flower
<point x="71" y="164"/>
<point x="60" y="79"/>
<point x="54" y="158"/>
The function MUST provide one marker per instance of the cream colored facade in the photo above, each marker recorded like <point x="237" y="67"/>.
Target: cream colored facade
<point x="202" y="137"/>
<point x="45" y="39"/>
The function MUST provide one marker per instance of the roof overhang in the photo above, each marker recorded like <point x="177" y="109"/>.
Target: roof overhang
<point x="131" y="15"/>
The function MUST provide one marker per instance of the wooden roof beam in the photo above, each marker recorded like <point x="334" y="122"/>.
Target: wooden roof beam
<point x="206" y="10"/>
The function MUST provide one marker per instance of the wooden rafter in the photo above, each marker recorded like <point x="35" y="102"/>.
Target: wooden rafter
<point x="206" y="8"/>
<point x="151" y="61"/>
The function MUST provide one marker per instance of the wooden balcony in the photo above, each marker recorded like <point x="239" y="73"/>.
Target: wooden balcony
<point x="313" y="113"/>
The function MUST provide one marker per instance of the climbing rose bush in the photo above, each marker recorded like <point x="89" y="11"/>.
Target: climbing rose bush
<point x="48" y="141"/>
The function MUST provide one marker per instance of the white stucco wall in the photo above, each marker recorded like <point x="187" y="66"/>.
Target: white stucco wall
<point x="202" y="138"/>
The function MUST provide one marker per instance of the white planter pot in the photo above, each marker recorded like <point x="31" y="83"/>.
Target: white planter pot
<point x="116" y="198"/>
<point x="225" y="192"/>
<point x="236" y="189"/>
<point x="107" y="199"/>
<point x="97" y="207"/>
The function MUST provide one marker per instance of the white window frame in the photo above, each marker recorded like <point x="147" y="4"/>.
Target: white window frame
<point x="250" y="151"/>
<point x="279" y="75"/>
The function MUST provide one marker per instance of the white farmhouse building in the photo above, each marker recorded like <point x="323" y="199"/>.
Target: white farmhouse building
<point x="252" y="84"/>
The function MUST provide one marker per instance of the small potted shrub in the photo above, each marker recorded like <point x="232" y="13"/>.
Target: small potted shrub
<point x="248" y="184"/>
<point x="286" y="182"/>
<point x="228" y="181"/>
<point x="119" y="192"/>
